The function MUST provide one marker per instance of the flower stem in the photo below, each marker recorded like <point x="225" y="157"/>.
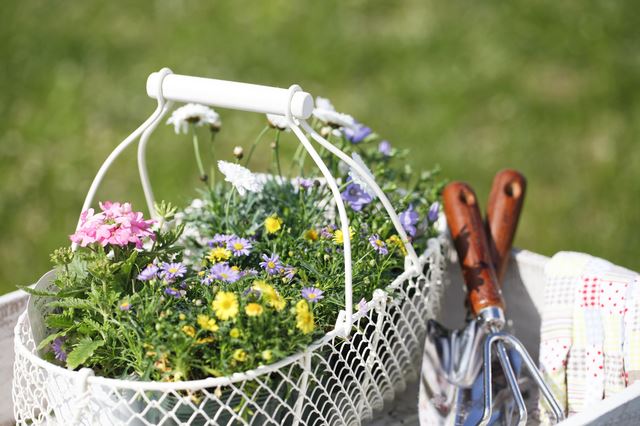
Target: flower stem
<point x="196" y="151"/>
<point x="226" y="208"/>
<point x="276" y="153"/>
<point x="255" y="143"/>
<point x="296" y="160"/>
<point x="212" y="177"/>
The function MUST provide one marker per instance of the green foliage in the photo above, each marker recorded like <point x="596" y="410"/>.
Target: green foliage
<point x="111" y="314"/>
<point x="82" y="351"/>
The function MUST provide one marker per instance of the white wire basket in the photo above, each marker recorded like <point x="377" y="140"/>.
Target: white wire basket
<point x="338" y="380"/>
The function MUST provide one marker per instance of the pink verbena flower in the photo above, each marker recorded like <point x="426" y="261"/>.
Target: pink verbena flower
<point x="117" y="224"/>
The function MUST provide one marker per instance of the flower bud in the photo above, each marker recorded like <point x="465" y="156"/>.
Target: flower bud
<point x="324" y="132"/>
<point x="238" y="152"/>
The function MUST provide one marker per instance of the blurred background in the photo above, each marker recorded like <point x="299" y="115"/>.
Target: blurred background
<point x="551" y="88"/>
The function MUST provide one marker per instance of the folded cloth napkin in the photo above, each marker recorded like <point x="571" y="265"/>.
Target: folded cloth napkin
<point x="590" y="332"/>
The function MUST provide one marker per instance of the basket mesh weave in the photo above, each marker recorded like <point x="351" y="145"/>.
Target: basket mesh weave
<point x="336" y="381"/>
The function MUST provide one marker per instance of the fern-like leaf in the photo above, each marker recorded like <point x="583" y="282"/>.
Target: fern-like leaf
<point x="71" y="302"/>
<point x="82" y="351"/>
<point x="59" y="321"/>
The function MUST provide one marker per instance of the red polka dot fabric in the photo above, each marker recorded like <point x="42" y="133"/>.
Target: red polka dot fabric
<point x="589" y="346"/>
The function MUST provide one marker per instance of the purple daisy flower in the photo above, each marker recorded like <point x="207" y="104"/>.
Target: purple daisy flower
<point x="409" y="219"/>
<point x="239" y="246"/>
<point x="305" y="183"/>
<point x="207" y="279"/>
<point x="222" y="271"/>
<point x="248" y="272"/>
<point x="356" y="196"/>
<point x="432" y="215"/>
<point x="221" y="239"/>
<point x="125" y="306"/>
<point x="149" y="273"/>
<point x="357" y="134"/>
<point x="289" y="272"/>
<point x="172" y="292"/>
<point x="312" y="294"/>
<point x="56" y="347"/>
<point x="271" y="264"/>
<point x="327" y="231"/>
<point x="171" y="271"/>
<point x="377" y="244"/>
<point x="384" y="148"/>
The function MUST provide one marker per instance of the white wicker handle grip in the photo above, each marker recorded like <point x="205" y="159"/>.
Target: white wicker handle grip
<point x="229" y="94"/>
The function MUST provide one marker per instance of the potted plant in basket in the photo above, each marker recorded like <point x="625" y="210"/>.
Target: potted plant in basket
<point x="250" y="273"/>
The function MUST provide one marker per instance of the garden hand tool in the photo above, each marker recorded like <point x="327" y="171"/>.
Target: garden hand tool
<point x="485" y="300"/>
<point x="503" y="212"/>
<point x="451" y="360"/>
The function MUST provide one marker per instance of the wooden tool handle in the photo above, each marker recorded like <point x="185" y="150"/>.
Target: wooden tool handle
<point x="467" y="229"/>
<point x="503" y="211"/>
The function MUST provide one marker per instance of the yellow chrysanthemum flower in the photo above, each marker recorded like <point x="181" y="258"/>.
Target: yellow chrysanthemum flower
<point x="304" y="321"/>
<point x="272" y="224"/>
<point x="266" y="355"/>
<point x="189" y="330"/>
<point x="254" y="309"/>
<point x="218" y="254"/>
<point x="338" y="237"/>
<point x="204" y="340"/>
<point x="302" y="306"/>
<point x="264" y="288"/>
<point x="234" y="333"/>
<point x="277" y="302"/>
<point x="207" y="323"/>
<point x="225" y="305"/>
<point x="270" y="294"/>
<point x="239" y="355"/>
<point x="311" y="235"/>
<point x="395" y="241"/>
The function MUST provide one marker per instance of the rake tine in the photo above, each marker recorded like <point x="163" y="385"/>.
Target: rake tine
<point x="537" y="376"/>
<point x="512" y="380"/>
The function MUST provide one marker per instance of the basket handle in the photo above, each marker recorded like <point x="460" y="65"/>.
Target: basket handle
<point x="295" y="105"/>
<point x="229" y="94"/>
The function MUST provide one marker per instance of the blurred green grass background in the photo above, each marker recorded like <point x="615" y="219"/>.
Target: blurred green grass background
<point x="551" y="88"/>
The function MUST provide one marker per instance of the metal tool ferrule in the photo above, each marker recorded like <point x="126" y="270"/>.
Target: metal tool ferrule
<point x="493" y="317"/>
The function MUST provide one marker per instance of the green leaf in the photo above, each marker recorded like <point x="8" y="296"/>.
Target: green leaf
<point x="50" y="338"/>
<point x="88" y="326"/>
<point x="83" y="351"/>
<point x="34" y="292"/>
<point x="59" y="321"/>
<point x="71" y="302"/>
<point x="128" y="264"/>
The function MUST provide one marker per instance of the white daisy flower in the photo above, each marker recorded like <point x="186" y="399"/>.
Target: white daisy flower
<point x="197" y="114"/>
<point x="240" y="177"/>
<point x="325" y="111"/>
<point x="279" y="122"/>
<point x="357" y="178"/>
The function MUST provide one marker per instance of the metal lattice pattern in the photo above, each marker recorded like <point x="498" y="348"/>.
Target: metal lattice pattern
<point x="337" y="381"/>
